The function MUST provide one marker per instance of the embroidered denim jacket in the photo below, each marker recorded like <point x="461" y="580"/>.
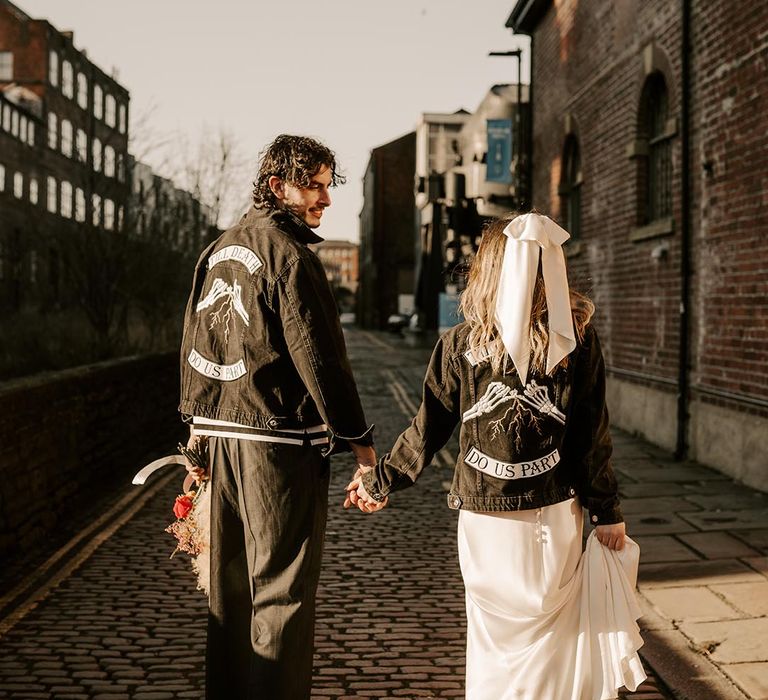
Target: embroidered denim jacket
<point x="520" y="447"/>
<point x="262" y="343"/>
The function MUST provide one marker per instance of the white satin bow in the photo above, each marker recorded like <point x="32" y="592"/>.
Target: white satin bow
<point x="529" y="237"/>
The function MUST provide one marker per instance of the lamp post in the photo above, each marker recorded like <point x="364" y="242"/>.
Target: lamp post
<point x="519" y="189"/>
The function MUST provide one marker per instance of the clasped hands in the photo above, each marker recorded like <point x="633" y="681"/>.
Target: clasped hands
<point x="357" y="496"/>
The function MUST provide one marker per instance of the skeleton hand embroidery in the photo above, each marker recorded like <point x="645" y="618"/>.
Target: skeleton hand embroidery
<point x="538" y="398"/>
<point x="233" y="301"/>
<point x="498" y="393"/>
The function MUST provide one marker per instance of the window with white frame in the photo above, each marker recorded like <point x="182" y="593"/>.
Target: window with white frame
<point x="96" y="209"/>
<point x="109" y="161"/>
<point x="53" y="68"/>
<point x="33" y="190"/>
<point x="120" y="167"/>
<point x="67" y="80"/>
<point x="98" y="101"/>
<point x="2" y="178"/>
<point x="6" y="65"/>
<point x="96" y="148"/>
<point x="82" y="90"/>
<point x="23" y="129"/>
<point x="109" y="110"/>
<point x="122" y="121"/>
<point x="79" y="205"/>
<point x="81" y="144"/>
<point x="53" y="134"/>
<point x="120" y="212"/>
<point x="6" y="118"/>
<point x="66" y="200"/>
<point x="51" y="199"/>
<point x="109" y="214"/>
<point x="31" y="133"/>
<point x="18" y="185"/>
<point x="66" y="137"/>
<point x="15" y="123"/>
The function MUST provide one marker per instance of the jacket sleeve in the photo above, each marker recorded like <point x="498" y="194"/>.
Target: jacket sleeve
<point x="315" y="342"/>
<point x="588" y="439"/>
<point x="428" y="432"/>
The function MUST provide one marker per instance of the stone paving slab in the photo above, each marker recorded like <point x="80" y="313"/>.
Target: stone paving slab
<point x="663" y="548"/>
<point x="656" y="524"/>
<point x="692" y="604"/>
<point x="658" y="504"/>
<point x="751" y="677"/>
<point x="752" y="598"/>
<point x="759" y="564"/>
<point x="728" y="519"/>
<point x="757" y="538"/>
<point x="730" y="641"/>
<point x="729" y="501"/>
<point x="717" y="545"/>
<point x="698" y="573"/>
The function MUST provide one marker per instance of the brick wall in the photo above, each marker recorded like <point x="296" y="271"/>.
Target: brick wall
<point x="67" y="436"/>
<point x="590" y="61"/>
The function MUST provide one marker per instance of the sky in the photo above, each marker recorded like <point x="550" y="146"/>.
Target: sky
<point x="354" y="73"/>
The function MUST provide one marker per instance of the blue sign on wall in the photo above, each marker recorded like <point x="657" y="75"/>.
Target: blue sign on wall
<point x="499" y="156"/>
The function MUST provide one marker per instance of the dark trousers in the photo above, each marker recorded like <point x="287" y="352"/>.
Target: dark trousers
<point x="269" y="503"/>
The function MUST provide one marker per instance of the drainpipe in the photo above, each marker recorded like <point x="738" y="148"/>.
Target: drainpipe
<point x="681" y="449"/>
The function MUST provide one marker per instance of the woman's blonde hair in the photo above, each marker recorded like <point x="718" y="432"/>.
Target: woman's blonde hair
<point x="478" y="303"/>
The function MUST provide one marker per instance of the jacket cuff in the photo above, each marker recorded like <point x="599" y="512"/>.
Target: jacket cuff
<point x="371" y="484"/>
<point x="605" y="515"/>
<point x="340" y="443"/>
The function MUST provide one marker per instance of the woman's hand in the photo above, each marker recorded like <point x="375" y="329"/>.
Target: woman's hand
<point x="611" y="536"/>
<point x="358" y="496"/>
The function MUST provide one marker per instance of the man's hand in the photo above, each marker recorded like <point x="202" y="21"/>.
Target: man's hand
<point x="194" y="471"/>
<point x="611" y="536"/>
<point x="358" y="496"/>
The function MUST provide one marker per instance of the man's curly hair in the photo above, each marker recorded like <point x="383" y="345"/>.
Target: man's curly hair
<point x="294" y="159"/>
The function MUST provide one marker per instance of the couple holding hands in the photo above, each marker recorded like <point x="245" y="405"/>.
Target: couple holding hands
<point x="265" y="377"/>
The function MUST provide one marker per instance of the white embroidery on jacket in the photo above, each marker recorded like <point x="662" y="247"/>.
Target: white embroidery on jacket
<point x="233" y="301"/>
<point x="224" y="373"/>
<point x="238" y="253"/>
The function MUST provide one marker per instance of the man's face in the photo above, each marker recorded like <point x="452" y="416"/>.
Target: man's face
<point x="308" y="203"/>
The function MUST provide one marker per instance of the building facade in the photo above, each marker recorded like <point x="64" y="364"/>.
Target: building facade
<point x="485" y="182"/>
<point x="387" y="226"/>
<point x="650" y="144"/>
<point x="341" y="262"/>
<point x="437" y="152"/>
<point x="63" y="154"/>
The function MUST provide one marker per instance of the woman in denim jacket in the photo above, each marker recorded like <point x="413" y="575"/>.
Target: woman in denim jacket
<point x="525" y="379"/>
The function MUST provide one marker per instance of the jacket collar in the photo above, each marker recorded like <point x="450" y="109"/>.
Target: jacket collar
<point x="285" y="221"/>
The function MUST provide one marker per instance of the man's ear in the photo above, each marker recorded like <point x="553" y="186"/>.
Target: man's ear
<point x="277" y="186"/>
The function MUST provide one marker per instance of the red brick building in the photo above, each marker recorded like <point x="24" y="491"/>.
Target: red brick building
<point x="650" y="143"/>
<point x="387" y="232"/>
<point x="341" y="262"/>
<point x="63" y="153"/>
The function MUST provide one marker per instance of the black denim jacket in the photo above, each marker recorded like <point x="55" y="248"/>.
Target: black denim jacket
<point x="520" y="447"/>
<point x="262" y="343"/>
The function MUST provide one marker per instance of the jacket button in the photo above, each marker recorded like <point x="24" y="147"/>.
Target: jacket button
<point x="272" y="423"/>
<point x="594" y="518"/>
<point x="572" y="491"/>
<point x="454" y="502"/>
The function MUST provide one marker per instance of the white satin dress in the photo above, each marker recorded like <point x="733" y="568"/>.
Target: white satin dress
<point x="544" y="621"/>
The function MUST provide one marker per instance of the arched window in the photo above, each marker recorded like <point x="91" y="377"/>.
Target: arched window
<point x="656" y="165"/>
<point x="570" y="187"/>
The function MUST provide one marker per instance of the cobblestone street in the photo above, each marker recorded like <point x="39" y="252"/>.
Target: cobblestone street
<point x="116" y="618"/>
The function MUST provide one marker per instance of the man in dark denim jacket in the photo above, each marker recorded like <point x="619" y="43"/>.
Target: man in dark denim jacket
<point x="265" y="375"/>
